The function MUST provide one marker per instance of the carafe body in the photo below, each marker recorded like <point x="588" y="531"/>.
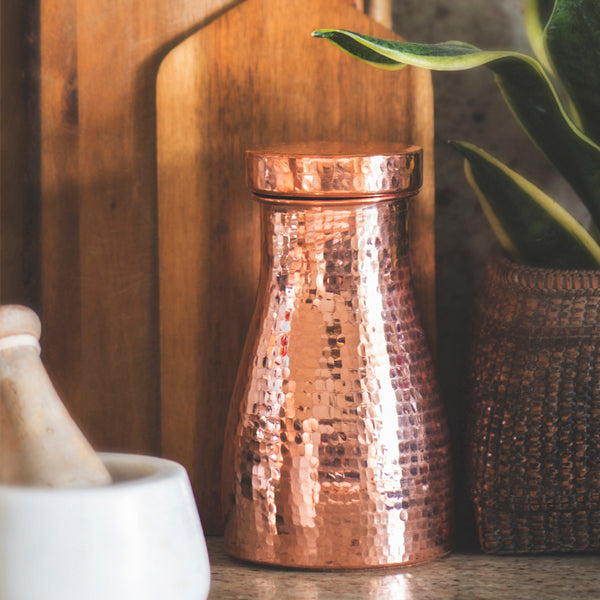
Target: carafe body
<point x="337" y="452"/>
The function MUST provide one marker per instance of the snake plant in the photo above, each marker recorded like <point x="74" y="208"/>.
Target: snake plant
<point x="556" y="99"/>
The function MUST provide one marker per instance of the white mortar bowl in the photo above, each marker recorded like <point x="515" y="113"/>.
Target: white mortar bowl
<point x="139" y="538"/>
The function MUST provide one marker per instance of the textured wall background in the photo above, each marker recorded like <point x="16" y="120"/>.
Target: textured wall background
<point x="469" y="107"/>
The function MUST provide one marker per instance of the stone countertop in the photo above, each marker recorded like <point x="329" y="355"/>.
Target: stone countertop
<point x="460" y="576"/>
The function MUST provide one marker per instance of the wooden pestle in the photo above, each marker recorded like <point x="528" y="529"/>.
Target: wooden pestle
<point x="40" y="444"/>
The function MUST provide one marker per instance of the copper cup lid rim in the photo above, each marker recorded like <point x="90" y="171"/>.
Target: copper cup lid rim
<point x="334" y="169"/>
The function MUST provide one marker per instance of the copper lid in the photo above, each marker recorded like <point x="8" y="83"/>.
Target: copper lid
<point x="329" y="170"/>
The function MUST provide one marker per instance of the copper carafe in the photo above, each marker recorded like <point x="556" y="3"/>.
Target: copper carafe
<point x="336" y="450"/>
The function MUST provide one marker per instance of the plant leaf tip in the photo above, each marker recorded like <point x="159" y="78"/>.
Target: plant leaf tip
<point x="458" y="145"/>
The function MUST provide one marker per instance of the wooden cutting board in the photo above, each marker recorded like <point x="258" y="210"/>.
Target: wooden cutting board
<point x="97" y="220"/>
<point x="253" y="76"/>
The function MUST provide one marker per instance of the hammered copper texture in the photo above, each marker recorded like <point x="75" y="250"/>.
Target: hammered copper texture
<point x="534" y="381"/>
<point x="339" y="453"/>
<point x="335" y="170"/>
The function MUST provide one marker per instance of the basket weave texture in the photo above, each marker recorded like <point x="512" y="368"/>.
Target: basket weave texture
<point x="534" y="384"/>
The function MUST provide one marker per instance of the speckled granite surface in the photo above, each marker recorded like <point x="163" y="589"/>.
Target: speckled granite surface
<point x="457" y="577"/>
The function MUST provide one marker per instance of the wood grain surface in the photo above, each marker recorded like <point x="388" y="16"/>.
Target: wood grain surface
<point x="19" y="163"/>
<point x="380" y="11"/>
<point x="99" y="290"/>
<point x="254" y="76"/>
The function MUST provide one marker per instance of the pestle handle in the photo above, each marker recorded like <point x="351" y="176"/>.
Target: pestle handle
<point x="18" y="320"/>
<point x="40" y="444"/>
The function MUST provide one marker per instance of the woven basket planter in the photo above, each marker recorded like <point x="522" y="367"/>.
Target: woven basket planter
<point x="534" y="384"/>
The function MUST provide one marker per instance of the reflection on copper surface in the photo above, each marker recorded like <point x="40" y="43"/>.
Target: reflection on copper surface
<point x="334" y="170"/>
<point x="337" y="451"/>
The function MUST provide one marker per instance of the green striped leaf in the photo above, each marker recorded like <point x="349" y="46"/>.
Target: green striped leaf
<point x="537" y="15"/>
<point x="572" y="37"/>
<point x="525" y="86"/>
<point x="531" y="226"/>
